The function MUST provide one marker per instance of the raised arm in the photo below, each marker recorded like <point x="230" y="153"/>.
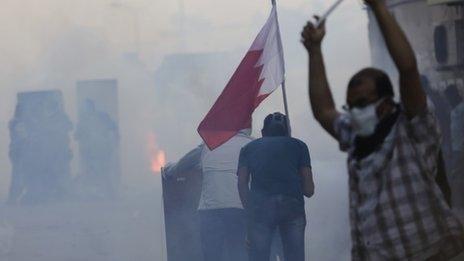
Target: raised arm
<point x="243" y="187"/>
<point x="412" y="96"/>
<point x="320" y="96"/>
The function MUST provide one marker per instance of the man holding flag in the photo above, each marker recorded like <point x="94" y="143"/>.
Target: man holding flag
<point x="225" y="130"/>
<point x="258" y="75"/>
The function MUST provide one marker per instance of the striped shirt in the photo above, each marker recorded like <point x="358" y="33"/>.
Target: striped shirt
<point x="397" y="211"/>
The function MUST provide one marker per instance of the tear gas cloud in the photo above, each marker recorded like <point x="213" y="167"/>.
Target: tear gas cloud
<point x="171" y="60"/>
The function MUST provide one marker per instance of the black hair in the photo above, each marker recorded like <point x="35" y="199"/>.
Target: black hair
<point x="382" y="82"/>
<point x="275" y="125"/>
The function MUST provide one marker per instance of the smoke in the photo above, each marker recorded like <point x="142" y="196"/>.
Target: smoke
<point x="50" y="44"/>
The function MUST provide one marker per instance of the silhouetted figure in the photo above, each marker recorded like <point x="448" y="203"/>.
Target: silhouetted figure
<point x="457" y="126"/>
<point x="98" y="138"/>
<point x="39" y="148"/>
<point x="443" y="112"/>
<point x="456" y="102"/>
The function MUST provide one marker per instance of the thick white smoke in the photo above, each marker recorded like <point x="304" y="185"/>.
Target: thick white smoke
<point x="50" y="44"/>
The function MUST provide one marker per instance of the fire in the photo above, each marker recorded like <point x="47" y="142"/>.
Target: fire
<point x="157" y="156"/>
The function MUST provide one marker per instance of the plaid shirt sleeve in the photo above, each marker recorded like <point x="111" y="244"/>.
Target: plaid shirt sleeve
<point x="343" y="130"/>
<point x="426" y="135"/>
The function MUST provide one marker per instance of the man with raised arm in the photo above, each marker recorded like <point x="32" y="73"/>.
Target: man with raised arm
<point x="397" y="211"/>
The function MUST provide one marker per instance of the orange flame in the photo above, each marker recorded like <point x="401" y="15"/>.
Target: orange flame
<point x="157" y="156"/>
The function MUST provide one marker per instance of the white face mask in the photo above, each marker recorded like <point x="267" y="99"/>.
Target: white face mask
<point x="365" y="119"/>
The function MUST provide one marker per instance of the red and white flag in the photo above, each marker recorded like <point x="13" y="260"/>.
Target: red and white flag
<point x="260" y="72"/>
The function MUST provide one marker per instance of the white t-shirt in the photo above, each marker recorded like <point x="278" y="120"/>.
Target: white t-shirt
<point x="219" y="167"/>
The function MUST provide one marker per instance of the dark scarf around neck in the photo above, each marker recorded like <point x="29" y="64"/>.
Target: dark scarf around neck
<point x="364" y="146"/>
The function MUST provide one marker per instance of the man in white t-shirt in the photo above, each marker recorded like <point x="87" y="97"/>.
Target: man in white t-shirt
<point x="222" y="218"/>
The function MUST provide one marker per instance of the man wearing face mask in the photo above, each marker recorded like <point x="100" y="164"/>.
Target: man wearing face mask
<point x="397" y="211"/>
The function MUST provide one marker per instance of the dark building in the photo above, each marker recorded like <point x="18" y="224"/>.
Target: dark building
<point x="40" y="148"/>
<point x="97" y="133"/>
<point x="436" y="31"/>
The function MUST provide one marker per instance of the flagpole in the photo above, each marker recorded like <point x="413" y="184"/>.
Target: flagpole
<point x="328" y="12"/>
<point x="284" y="94"/>
<point x="284" y="90"/>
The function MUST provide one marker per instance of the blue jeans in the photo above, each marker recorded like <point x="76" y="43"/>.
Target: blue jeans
<point x="282" y="212"/>
<point x="223" y="233"/>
